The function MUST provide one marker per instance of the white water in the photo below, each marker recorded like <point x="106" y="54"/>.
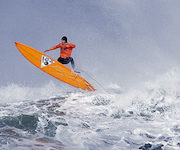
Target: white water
<point x="115" y="119"/>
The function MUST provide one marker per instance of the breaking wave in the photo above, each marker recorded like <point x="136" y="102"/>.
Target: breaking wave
<point x="51" y="118"/>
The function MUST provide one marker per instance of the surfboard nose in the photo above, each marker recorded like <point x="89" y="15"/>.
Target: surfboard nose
<point x="16" y="43"/>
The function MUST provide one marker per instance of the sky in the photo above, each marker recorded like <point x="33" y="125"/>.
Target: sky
<point x="118" y="41"/>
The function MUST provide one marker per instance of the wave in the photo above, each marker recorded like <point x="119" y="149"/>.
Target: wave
<point x="18" y="92"/>
<point x="145" y="117"/>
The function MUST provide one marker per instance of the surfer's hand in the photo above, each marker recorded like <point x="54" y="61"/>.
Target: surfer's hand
<point x="46" y="51"/>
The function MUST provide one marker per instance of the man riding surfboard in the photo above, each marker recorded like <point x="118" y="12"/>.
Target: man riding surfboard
<point x="66" y="50"/>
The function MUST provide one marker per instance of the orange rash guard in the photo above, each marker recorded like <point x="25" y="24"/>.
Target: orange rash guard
<point x="66" y="49"/>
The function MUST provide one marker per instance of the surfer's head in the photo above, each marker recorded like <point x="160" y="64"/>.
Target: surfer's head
<point x="64" y="39"/>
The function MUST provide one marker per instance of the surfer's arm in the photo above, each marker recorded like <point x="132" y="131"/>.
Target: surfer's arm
<point x="53" y="48"/>
<point x="70" y="45"/>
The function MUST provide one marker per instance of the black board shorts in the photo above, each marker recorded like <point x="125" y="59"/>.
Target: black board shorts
<point x="65" y="60"/>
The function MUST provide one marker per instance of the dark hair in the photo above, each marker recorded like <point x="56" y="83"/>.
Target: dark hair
<point x="64" y="38"/>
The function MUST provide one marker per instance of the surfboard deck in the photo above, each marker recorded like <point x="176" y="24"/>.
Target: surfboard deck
<point x="53" y="67"/>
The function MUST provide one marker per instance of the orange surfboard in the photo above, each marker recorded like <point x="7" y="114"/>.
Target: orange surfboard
<point x="53" y="67"/>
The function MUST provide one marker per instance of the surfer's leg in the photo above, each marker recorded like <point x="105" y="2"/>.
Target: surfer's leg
<point x="72" y="62"/>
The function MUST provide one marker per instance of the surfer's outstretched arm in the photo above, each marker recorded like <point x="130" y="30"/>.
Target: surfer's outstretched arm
<point x="53" y="48"/>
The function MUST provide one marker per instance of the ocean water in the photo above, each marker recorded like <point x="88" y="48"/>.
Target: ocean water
<point x="51" y="118"/>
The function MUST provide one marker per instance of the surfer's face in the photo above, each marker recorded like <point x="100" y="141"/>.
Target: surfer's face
<point x="63" y="41"/>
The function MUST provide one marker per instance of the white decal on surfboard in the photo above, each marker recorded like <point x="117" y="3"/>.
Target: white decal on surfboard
<point x="45" y="61"/>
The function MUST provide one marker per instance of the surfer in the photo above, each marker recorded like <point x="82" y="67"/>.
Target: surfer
<point x="66" y="50"/>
